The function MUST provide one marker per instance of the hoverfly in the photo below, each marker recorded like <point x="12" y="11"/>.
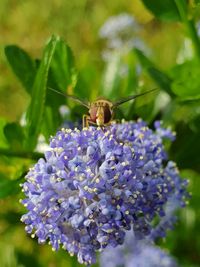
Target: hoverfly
<point x="101" y="111"/>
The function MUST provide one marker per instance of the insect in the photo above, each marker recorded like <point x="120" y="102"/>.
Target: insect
<point x="101" y="111"/>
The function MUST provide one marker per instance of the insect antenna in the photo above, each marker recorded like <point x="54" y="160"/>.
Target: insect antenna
<point x="78" y="100"/>
<point x="126" y="99"/>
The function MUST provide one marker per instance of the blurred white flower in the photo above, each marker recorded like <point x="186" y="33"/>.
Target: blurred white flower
<point x="22" y="121"/>
<point x="42" y="146"/>
<point x="120" y="27"/>
<point x="186" y="51"/>
<point x="121" y="34"/>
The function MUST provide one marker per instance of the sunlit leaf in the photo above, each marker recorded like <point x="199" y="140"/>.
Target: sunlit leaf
<point x="53" y="103"/>
<point x="62" y="76"/>
<point x="36" y="108"/>
<point x="22" y="65"/>
<point x="62" y="67"/>
<point x="186" y="82"/>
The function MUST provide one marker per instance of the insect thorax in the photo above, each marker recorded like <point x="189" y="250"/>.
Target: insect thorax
<point x="102" y="103"/>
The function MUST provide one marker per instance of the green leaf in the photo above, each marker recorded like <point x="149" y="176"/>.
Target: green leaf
<point x="53" y="102"/>
<point x="186" y="82"/>
<point x="86" y="82"/>
<point x="27" y="258"/>
<point x="20" y="154"/>
<point x="185" y="149"/>
<point x="144" y="60"/>
<point x="62" y="66"/>
<point x="165" y="10"/>
<point x="161" y="79"/>
<point x="157" y="75"/>
<point x="62" y="76"/>
<point x="15" y="135"/>
<point x="36" y="108"/>
<point x="8" y="187"/>
<point x="22" y="65"/>
<point x="51" y="122"/>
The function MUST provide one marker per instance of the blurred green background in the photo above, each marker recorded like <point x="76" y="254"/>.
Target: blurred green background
<point x="171" y="62"/>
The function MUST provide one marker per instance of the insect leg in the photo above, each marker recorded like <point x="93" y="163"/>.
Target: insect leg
<point x="87" y="121"/>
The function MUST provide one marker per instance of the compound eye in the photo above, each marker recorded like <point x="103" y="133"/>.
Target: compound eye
<point x="93" y="113"/>
<point x="107" y="114"/>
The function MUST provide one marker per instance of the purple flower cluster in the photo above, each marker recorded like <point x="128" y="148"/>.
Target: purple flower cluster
<point x="136" y="253"/>
<point x="95" y="184"/>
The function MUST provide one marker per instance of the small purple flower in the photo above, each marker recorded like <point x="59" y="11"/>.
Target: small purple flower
<point x="136" y="253"/>
<point x="164" y="132"/>
<point x="95" y="184"/>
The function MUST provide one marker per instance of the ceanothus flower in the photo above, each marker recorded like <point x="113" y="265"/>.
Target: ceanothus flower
<point x="136" y="253"/>
<point x="144" y="253"/>
<point x="95" y="184"/>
